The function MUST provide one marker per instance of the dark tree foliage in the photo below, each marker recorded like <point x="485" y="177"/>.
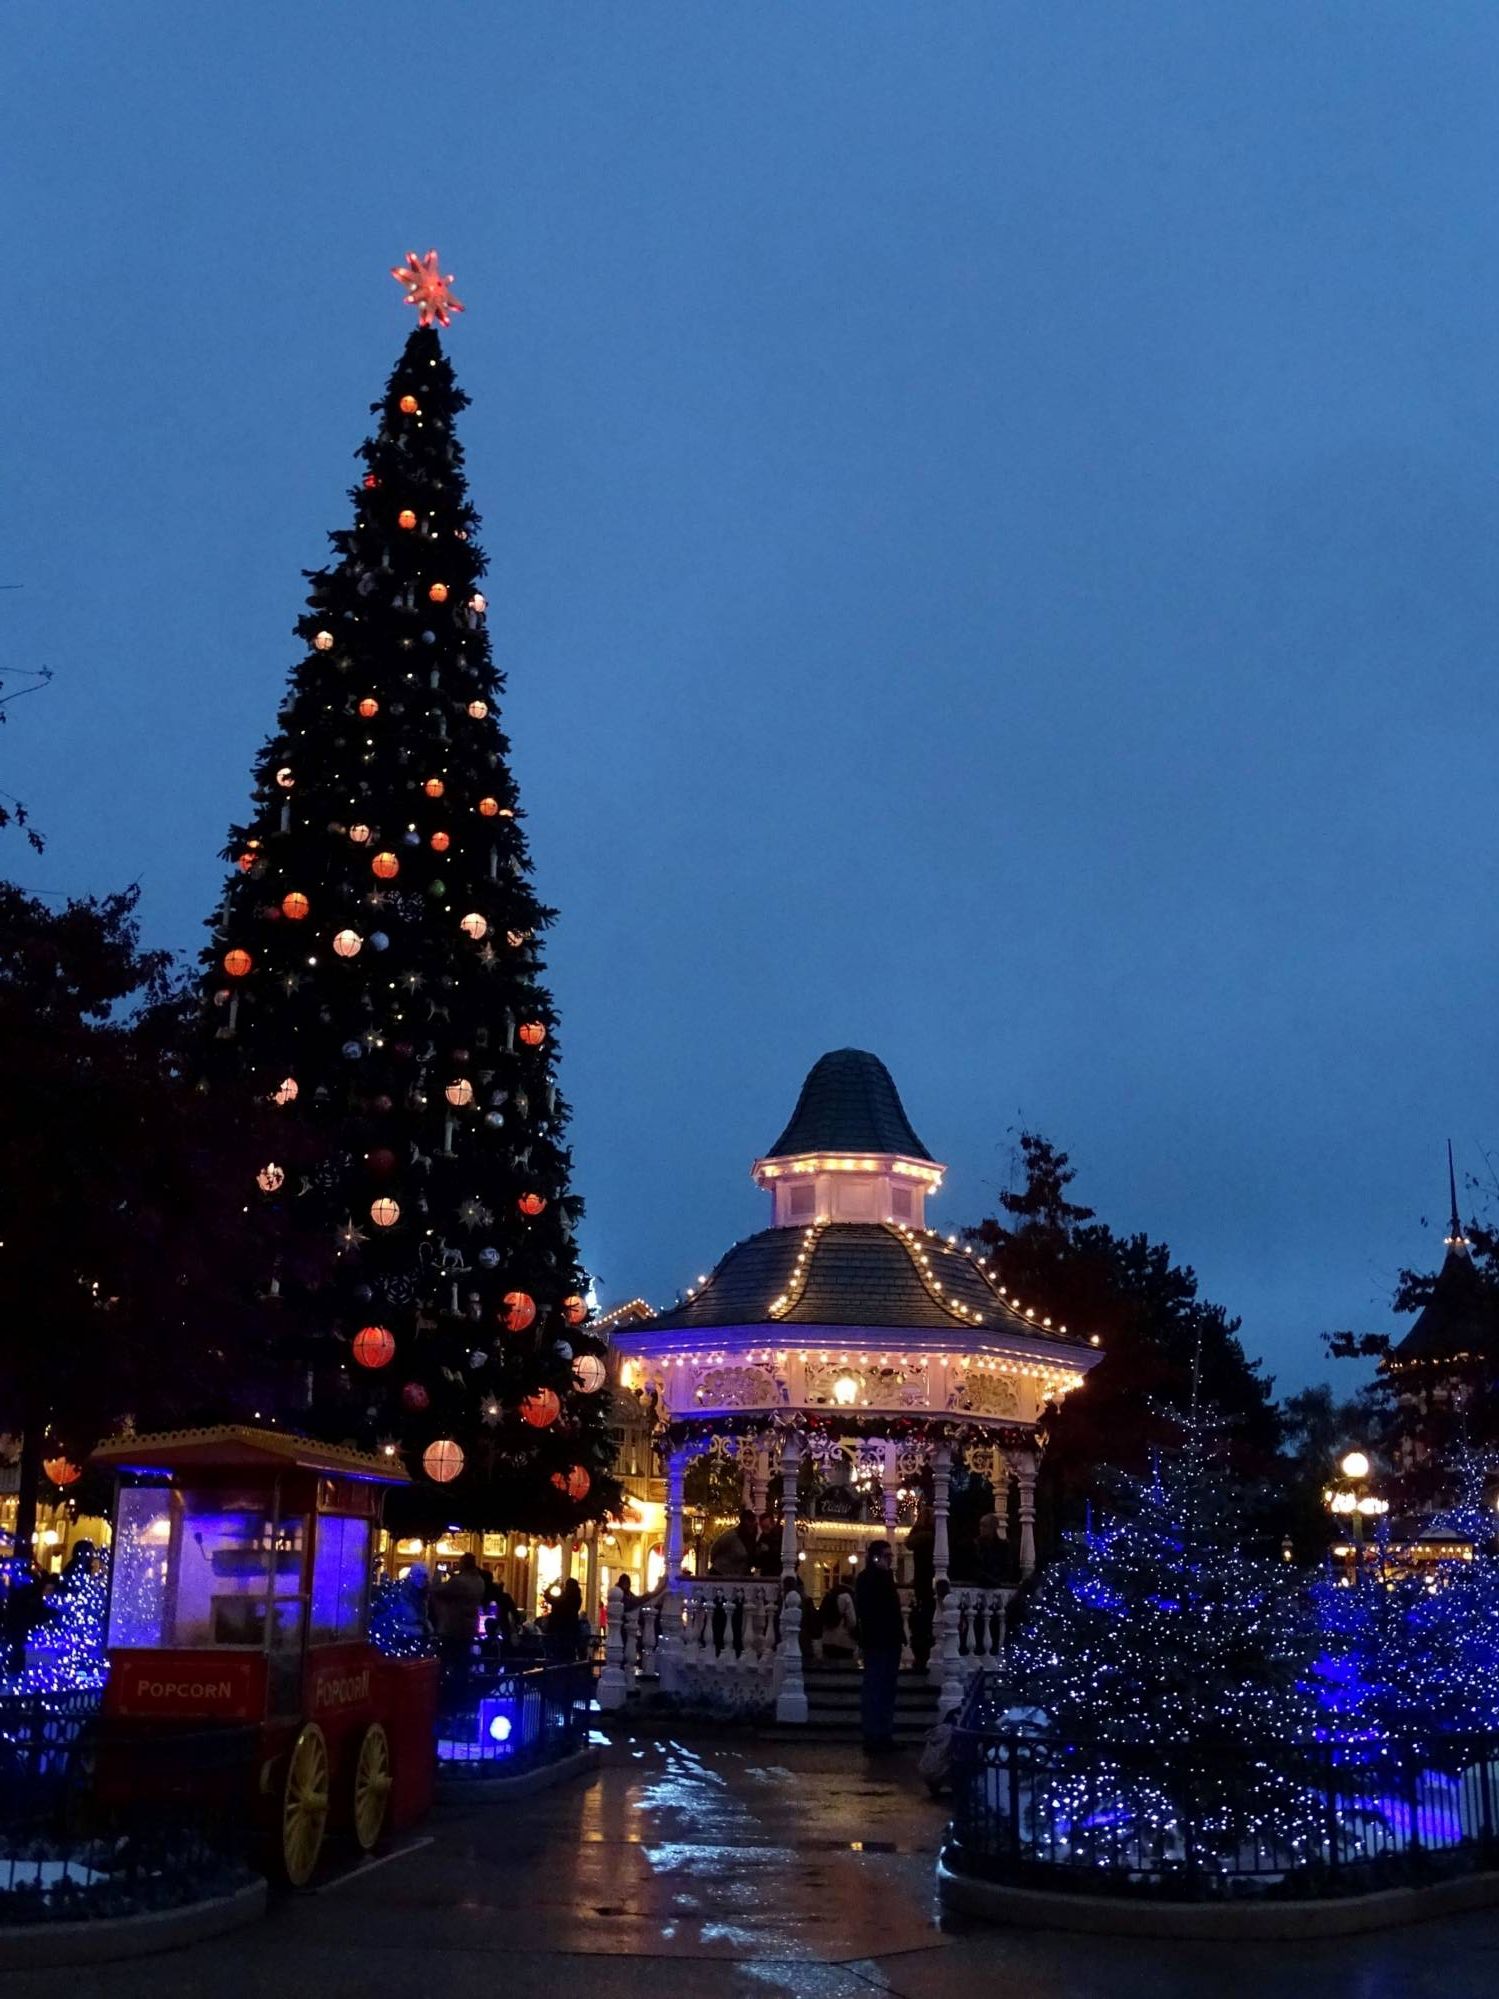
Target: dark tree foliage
<point x="124" y="1247"/>
<point x="376" y="975"/>
<point x="1152" y="1326"/>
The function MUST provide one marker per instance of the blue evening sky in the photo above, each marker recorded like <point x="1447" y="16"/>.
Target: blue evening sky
<point x="991" y="511"/>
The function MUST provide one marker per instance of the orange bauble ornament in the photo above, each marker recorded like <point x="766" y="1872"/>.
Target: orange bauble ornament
<point x="374" y="1346"/>
<point x="410" y="405"/>
<point x="386" y="866"/>
<point x="438" y="593"/>
<point x="488" y="807"/>
<point x="369" y="707"/>
<point x="348" y="944"/>
<point x="520" y="1311"/>
<point x="360" y="835"/>
<point x="245" y="863"/>
<point x="574" y="1310"/>
<point x="460" y="1092"/>
<point x="443" y="1460"/>
<point x="531" y="1205"/>
<point x="324" y="641"/>
<point x="532" y="1033"/>
<point x="405" y="518"/>
<point x="574" y="1482"/>
<point x="540" y="1408"/>
<point x="285" y="1091"/>
<point x="439" y="843"/>
<point x="295" y="906"/>
<point x="237" y="963"/>
<point x="385" y="1213"/>
<point x="478" y="710"/>
<point x="62" y="1471"/>
<point x="434" y="787"/>
<point x="473" y="925"/>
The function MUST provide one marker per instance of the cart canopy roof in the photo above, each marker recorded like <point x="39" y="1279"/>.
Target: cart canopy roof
<point x="231" y="1444"/>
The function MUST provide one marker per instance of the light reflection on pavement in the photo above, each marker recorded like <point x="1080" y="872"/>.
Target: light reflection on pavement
<point x="720" y="1867"/>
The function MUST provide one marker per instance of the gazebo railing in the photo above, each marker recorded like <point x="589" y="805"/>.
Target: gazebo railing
<point x="721" y="1639"/>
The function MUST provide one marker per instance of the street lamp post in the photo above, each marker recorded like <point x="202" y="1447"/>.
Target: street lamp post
<point x="1350" y="1499"/>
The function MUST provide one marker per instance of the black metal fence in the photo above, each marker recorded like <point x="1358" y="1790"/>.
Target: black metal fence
<point x="98" y="1820"/>
<point x="1039" y="1808"/>
<point x="490" y="1724"/>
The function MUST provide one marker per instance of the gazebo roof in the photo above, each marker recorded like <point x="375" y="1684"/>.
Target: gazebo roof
<point x="858" y="1275"/>
<point x="849" y="1103"/>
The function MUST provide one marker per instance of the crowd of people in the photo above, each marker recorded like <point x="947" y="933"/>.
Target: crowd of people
<point x="474" y="1620"/>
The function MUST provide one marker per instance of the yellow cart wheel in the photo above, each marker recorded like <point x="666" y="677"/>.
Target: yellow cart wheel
<point x="304" y="1806"/>
<point x="372" y="1781"/>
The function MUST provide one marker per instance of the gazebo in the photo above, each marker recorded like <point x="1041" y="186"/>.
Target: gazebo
<point x="849" y="1331"/>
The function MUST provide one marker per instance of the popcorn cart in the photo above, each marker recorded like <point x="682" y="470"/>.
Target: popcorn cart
<point x="239" y="1593"/>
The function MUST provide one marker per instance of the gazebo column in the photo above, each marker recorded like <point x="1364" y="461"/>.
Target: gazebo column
<point x="1025" y="1464"/>
<point x="941" y="1478"/>
<point x="676" y="1473"/>
<point x="760" y="1477"/>
<point x="669" y="1653"/>
<point x="791" y="1464"/>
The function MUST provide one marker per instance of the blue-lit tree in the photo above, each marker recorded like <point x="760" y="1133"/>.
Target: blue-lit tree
<point x="1159" y="1648"/>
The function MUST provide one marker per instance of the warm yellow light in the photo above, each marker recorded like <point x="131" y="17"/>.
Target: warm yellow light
<point x="1355" y="1465"/>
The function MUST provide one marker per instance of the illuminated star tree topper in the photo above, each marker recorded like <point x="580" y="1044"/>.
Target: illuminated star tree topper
<point x="427" y="289"/>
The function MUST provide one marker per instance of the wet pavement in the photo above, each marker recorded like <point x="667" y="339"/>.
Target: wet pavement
<point x="728" y="1868"/>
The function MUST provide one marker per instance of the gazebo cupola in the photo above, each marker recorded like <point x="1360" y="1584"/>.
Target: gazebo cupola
<point x="849" y="1153"/>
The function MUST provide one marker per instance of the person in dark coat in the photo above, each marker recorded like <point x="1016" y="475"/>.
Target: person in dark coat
<point x="877" y="1607"/>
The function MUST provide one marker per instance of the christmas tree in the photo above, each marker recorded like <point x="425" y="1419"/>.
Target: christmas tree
<point x="1161" y="1650"/>
<point x="375" y="973"/>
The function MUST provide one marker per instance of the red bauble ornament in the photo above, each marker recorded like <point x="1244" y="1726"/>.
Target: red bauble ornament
<point x="540" y="1408"/>
<point x="531" y="1205"/>
<point x="574" y="1482"/>
<point x="237" y="963"/>
<point x="62" y="1471"/>
<point x="415" y="1396"/>
<point x="574" y="1310"/>
<point x="443" y="1461"/>
<point x="532" y="1033"/>
<point x="519" y="1311"/>
<point x="374" y="1346"/>
<point x="295" y="906"/>
<point x="382" y="1160"/>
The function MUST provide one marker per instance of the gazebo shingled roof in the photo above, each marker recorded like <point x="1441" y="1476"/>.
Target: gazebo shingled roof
<point x="856" y="1274"/>
<point x="849" y="1103"/>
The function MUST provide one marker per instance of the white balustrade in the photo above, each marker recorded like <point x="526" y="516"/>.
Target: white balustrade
<point x="947" y="1662"/>
<point x="791" y="1700"/>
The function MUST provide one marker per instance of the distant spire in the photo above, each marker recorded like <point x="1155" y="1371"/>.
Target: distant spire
<point x="1455" y="1237"/>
